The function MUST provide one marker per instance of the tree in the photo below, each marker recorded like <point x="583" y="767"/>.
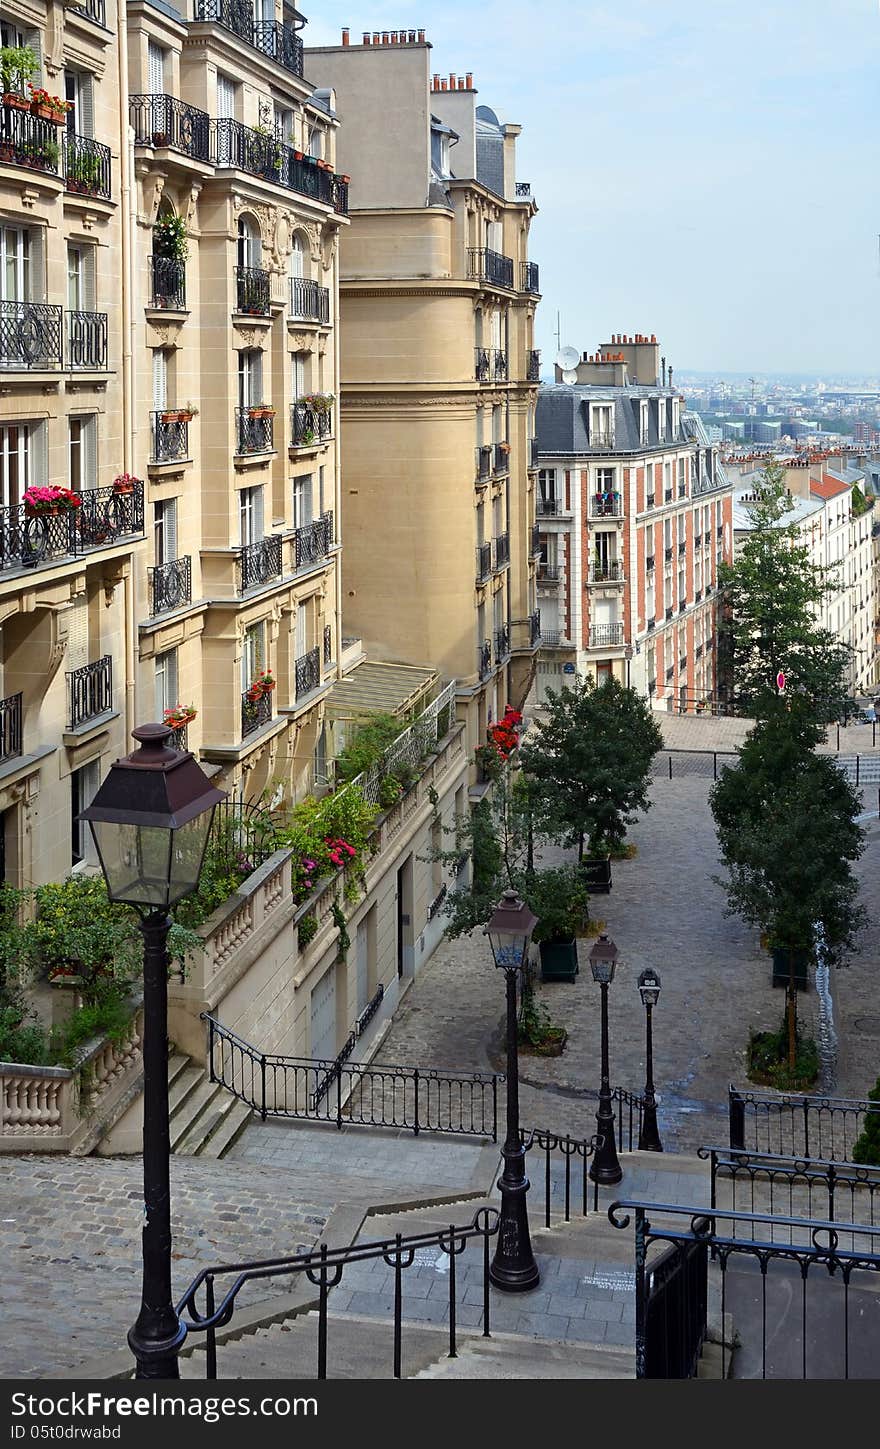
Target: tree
<point x="589" y="762"/>
<point x="771" y="596"/>
<point x="787" y="829"/>
<point x="497" y="835"/>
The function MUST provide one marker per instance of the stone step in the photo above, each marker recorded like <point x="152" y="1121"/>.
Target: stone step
<point x="190" y="1110"/>
<point x="511" y="1356"/>
<point x="228" y="1131"/>
<point x="357" y="1348"/>
<point x="183" y="1083"/>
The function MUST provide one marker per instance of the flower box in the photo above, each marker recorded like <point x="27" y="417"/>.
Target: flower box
<point x="50" y="501"/>
<point x="261" y="412"/>
<point x="254" y="694"/>
<point x="14" y="102"/>
<point x="182" y="714"/>
<point x="44" y="112"/>
<point x="161" y="138"/>
<point x="177" y="415"/>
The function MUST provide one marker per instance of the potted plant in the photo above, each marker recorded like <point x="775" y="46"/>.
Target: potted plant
<point x="180" y="415"/>
<point x="84" y="174"/>
<point x="254" y="692"/>
<point x="179" y="715"/>
<point x="17" y="64"/>
<point x="266" y="680"/>
<point x="169" y="234"/>
<point x="560" y="900"/>
<point x="259" y="410"/>
<point x="50" y="501"/>
<point x="44" y="155"/>
<point x="125" y="483"/>
<point x="41" y="103"/>
<point x="308" y="437"/>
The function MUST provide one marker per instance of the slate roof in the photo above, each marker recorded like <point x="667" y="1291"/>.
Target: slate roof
<point x="562" y="418"/>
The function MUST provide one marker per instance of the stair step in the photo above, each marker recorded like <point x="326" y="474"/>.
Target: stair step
<point x="190" y="1110"/>
<point x="228" y="1131"/>
<point x="510" y="1356"/>
<point x="357" y="1348"/>
<point x="184" y="1083"/>
<point x="177" y="1063"/>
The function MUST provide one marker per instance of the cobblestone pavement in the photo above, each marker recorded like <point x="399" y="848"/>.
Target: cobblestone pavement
<point x="70" y="1247"/>
<point x="689" y="732"/>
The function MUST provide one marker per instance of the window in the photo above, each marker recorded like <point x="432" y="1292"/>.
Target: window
<point x="165" y="531"/>
<point x="156" y="68"/>
<point x="252" y="654"/>
<point x="15" y="463"/>
<point x="83" y="785"/>
<point x="547" y="485"/>
<point x="601" y="426"/>
<point x="78" y="94"/>
<point x="225" y="97"/>
<point x="250" y="378"/>
<point x="605" y="479"/>
<point x="166" y="682"/>
<point x="250" y="515"/>
<point x="643" y="423"/>
<point x="15" y="264"/>
<point x="302" y="500"/>
<point x="321" y="472"/>
<point x="681" y="473"/>
<point x="667" y="479"/>
<point x="249" y="246"/>
<point x="661" y="418"/>
<point x="81" y="460"/>
<point x="298" y="374"/>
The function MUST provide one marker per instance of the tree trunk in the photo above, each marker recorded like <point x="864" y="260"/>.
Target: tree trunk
<point x="580" y="847"/>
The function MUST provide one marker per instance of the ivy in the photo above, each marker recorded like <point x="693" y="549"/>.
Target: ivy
<point x="341" y="925"/>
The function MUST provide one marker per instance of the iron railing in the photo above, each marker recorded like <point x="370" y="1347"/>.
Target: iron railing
<point x="840" y="1192"/>
<point x="244" y="149"/>
<point x="254" y="713"/>
<point x="549" y="507"/>
<point x="484" y="463"/>
<point x="564" y="1188"/>
<point x="534" y="452"/>
<point x="169" y="438"/>
<point x="482" y="365"/>
<point x="606" y="573"/>
<point x="767" y="1266"/>
<point x="279" y="41"/>
<point x="28" y="539"/>
<point x="10" y="727"/>
<point x="500" y="457"/>
<point x="535" y="629"/>
<point x="90" y="691"/>
<point x="179" y="737"/>
<point x="254" y="433"/>
<point x="324" y="1268"/>
<point x="165" y="121"/>
<point x="605" y="636"/>
<point x="530" y="278"/>
<point x="93" y="9"/>
<point x="27" y="140"/>
<point x="252" y="291"/>
<point x="485" y="265"/>
<point x="535" y="541"/>
<point x="105" y="515"/>
<point x="484" y="659"/>
<point x="30" y="334"/>
<point x="499" y="364"/>
<point x="309" y="301"/>
<point x="242" y="834"/>
<point x="533" y="366"/>
<point x="606" y="505"/>
<point x="411" y="748"/>
<point x="328" y="645"/>
<point x="502" y="643"/>
<point x="167" y="283"/>
<point x="86" y="166"/>
<point x="484" y="562"/>
<point x="801" y="1126"/>
<point x="170" y="585"/>
<point x="549" y="573"/>
<point x="259" y="562"/>
<point x="307" y="672"/>
<point x="502" y="550"/>
<point x="309" y="425"/>
<point x="86" y="340"/>
<point x="312" y="541"/>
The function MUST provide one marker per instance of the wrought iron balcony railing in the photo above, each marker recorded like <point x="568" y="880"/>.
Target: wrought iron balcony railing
<point x="484" y="265"/>
<point x="533" y="452"/>
<point x="530" y="281"/>
<point x="29" y="540"/>
<point x="165" y="121"/>
<point x="484" y="659"/>
<point x="169" y="438"/>
<point x="170" y="585"/>
<point x="484" y="562"/>
<point x="27" y="140"/>
<point x="535" y="629"/>
<point x="522" y="190"/>
<point x="649" y="500"/>
<point x="30" y="335"/>
<point x="533" y="366"/>
<point x="553" y="638"/>
<point x="309" y="425"/>
<point x="606" y="573"/>
<point x="252" y="291"/>
<point x="244" y="149"/>
<point x="605" y="636"/>
<point x="92" y="9"/>
<point x="10" y="728"/>
<point x="254" y="713"/>
<point x="667" y="554"/>
<point x="254" y="430"/>
<point x="484" y="463"/>
<point x="667" y="495"/>
<point x="167" y="283"/>
<point x="179" y="737"/>
<point x="279" y="41"/>
<point x="502" y="643"/>
<point x="86" y="166"/>
<point x="606" y="505"/>
<point x="549" y="573"/>
<point x="549" y="507"/>
<point x="502" y="550"/>
<point x="308" y="301"/>
<point x="87" y="340"/>
<point x="535" y="544"/>
<point x="499" y="364"/>
<point x="90" y="691"/>
<point x="501" y="457"/>
<point x="307" y="672"/>
<point x="259" y="562"/>
<point x="649" y="562"/>
<point x="482" y="365"/>
<point x="328" y="645"/>
<point x="312" y="541"/>
<point x="105" y="515"/>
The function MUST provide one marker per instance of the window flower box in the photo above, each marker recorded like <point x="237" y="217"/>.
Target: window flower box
<point x="50" y="501"/>
<point x="179" y="715"/>
<point x="261" y="412"/>
<point x="125" y="483"/>
<point x="266" y="682"/>
<point x="15" y="102"/>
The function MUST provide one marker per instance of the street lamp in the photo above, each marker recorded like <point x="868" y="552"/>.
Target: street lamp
<point x="150" y="821"/>
<point x="605" y="1166"/>
<point x="649" y="990"/>
<point x="513" y="1267"/>
<point x="628" y="656"/>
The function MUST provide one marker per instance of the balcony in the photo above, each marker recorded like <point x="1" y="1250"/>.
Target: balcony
<point x="92" y="10"/>
<point x="502" y="551"/>
<point x="682" y="663"/>
<point x="482" y="365"/>
<point x="533" y="366"/>
<point x="484" y="265"/>
<point x="698" y="596"/>
<point x="27" y="140"/>
<point x="312" y="542"/>
<point x="241" y="148"/>
<point x="170" y="585"/>
<point x="30" y="335"/>
<point x="499" y="364"/>
<point x="279" y="42"/>
<point x="86" y="341"/>
<point x="484" y="463"/>
<point x="164" y="121"/>
<point x="307" y="672"/>
<point x="698" y="651"/>
<point x="670" y="673"/>
<point x="254" y="713"/>
<point x="502" y="643"/>
<point x="530" y="277"/>
<point x="649" y="626"/>
<point x="669" y="613"/>
<point x="606" y="505"/>
<point x="533" y="452"/>
<point x="328" y="645"/>
<point x="308" y="301"/>
<point x="179" y="737"/>
<point x="484" y="659"/>
<point x="549" y="507"/>
<point x="484" y="562"/>
<point x="31" y="540"/>
<point x="610" y="572"/>
<point x="649" y="562"/>
<point x="606" y="636"/>
<point x="549" y="573"/>
<point x="86" y="167"/>
<point x="667" y="554"/>
<point x="167" y="284"/>
<point x="535" y="541"/>
<point x="555" y="639"/>
<point x="169" y="433"/>
<point x="10" y="728"/>
<point x="259" y="562"/>
<point x="698" y="540"/>
<point x="682" y="606"/>
<point x="720" y="530"/>
<point x="667" y="495"/>
<point x="254" y="430"/>
<point x="534" y="629"/>
<point x="309" y="426"/>
<point x="501" y="457"/>
<point x="682" y="490"/>
<point x="90" y="691"/>
<point x="649" y="500"/>
<point x="682" y="549"/>
<point x="252" y="291"/>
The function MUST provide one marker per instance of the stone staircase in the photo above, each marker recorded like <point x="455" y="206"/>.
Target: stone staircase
<point x="205" y="1118"/>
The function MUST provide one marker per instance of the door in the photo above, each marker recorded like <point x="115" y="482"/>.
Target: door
<point x="405" y="952"/>
<point x="14" y="264"/>
<point x="362" y="957"/>
<point x="323" y="1018"/>
<point x="225" y="98"/>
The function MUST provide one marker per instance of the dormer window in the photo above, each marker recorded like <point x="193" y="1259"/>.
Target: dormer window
<point x="643" y="424"/>
<point x="661" y="418"/>
<point x="675" y="413"/>
<point x="601" y="425"/>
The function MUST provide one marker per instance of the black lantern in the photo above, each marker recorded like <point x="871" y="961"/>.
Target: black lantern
<point x="649" y="987"/>
<point x="513" y="1267"/>
<point x="605" y="1166"/>
<point x="649" y="1135"/>
<point x="151" y="819"/>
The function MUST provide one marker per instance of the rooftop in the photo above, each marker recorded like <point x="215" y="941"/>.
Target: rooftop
<point x="376" y="686"/>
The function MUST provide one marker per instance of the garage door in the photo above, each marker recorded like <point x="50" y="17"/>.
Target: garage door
<point x="323" y="1036"/>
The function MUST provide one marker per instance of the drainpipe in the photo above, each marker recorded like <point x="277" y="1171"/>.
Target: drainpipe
<point x="337" y="480"/>
<point x="128" y="220"/>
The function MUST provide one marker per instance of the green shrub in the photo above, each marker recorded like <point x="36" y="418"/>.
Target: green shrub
<point x="108" y="1017"/>
<point x="768" y="1060"/>
<point x="368" y="744"/>
<point x="307" y="929"/>
<point x="20" y="1039"/>
<point x="867" y="1144"/>
<point x="560" y="899"/>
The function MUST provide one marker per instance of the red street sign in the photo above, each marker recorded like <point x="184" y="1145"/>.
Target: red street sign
<point x="780" y="682"/>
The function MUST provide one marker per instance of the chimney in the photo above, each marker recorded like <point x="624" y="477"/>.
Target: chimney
<point x="469" y="80"/>
<point x="376" y="37"/>
<point x="670" y="374"/>
<point x="451" y="81"/>
<point x="366" y="37"/>
<point x="663" y="361"/>
<point x="345" y="34"/>
<point x="435" y="82"/>
<point x="461" y="82"/>
<point x="421" y="37"/>
<point x="394" y="37"/>
<point x="412" y="37"/>
<point x="384" y="37"/>
<point x="443" y="85"/>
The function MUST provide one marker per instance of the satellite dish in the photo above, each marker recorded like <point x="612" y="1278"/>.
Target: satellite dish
<point x="567" y="357"/>
<point x="569" y="375"/>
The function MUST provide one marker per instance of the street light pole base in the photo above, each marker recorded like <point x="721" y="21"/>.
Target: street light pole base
<point x="157" y="1358"/>
<point x="513" y="1268"/>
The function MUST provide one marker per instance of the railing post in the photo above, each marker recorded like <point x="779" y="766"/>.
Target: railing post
<point x="806" y="1106"/>
<point x="339" y="1100"/>
<point x="263" y="1085"/>
<point x="494" y="1107"/>
<point x="416" y="1101"/>
<point x="736" y="1108"/>
<point x="211" y="1048"/>
<point x="670" y="766"/>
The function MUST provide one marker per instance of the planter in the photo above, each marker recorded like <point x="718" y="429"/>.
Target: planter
<point x="559" y="960"/>
<point x="261" y="412"/>
<point x="161" y="138"/>
<point x="596" y="871"/>
<point x="44" y="112"/>
<point x="15" y="102"/>
<point x="123" y="487"/>
<point x="267" y="688"/>
<point x="553" y="1046"/>
<point x="7" y="152"/>
<point x="177" y="417"/>
<point x="782" y="967"/>
<point x="51" y="510"/>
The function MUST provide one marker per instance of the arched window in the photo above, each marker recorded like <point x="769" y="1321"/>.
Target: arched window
<point x="249" y="247"/>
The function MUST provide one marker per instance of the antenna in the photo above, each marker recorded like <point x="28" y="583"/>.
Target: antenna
<point x="569" y="375"/>
<point x="559" y="329"/>
<point x="567" y="358"/>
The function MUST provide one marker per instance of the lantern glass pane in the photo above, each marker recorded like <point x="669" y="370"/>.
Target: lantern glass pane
<point x="136" y="861"/>
<point x="188" y="851"/>
<point x="509" y="948"/>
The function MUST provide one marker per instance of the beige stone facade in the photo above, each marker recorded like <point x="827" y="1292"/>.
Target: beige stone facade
<point x="438" y="373"/>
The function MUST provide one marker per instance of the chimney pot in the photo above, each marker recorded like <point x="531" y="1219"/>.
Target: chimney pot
<point x="443" y="85"/>
<point x="384" y="37"/>
<point x="461" y="82"/>
<point x="451" y="81"/>
<point x="376" y="37"/>
<point x="469" y="80"/>
<point x="421" y="37"/>
<point x="345" y="35"/>
<point x="412" y="37"/>
<point x="366" y="37"/>
<point x="393" y="37"/>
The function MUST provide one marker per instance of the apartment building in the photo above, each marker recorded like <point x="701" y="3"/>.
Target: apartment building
<point x="234" y="149"/>
<point x="634" y="519"/>
<point x="68" y="571"/>
<point x="438" y="373"/>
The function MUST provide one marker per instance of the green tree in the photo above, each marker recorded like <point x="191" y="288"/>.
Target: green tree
<point x="787" y="829"/>
<point x="497" y="835"/>
<point x="589" y="763"/>
<point x="771" y="595"/>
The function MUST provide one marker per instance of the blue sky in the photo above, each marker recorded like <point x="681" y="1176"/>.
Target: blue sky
<point x="704" y="169"/>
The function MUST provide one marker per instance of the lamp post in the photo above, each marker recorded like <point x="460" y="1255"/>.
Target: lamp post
<point x="513" y="1267"/>
<point x="605" y="1166"/>
<point x="150" y="820"/>
<point x="628" y="656"/>
<point x="649" y="990"/>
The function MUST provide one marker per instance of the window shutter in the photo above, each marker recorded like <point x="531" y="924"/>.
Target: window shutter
<point x="156" y="68"/>
<point x="90" y="452"/>
<point x="256" y="371"/>
<point x="170" y="522"/>
<point x="78" y="635"/>
<point x="160" y="379"/>
<point x="35" y="267"/>
<point x="88" y="280"/>
<point x="34" y="39"/>
<point x="258" y="513"/>
<point x="39" y="454"/>
<point x="85" y="120"/>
